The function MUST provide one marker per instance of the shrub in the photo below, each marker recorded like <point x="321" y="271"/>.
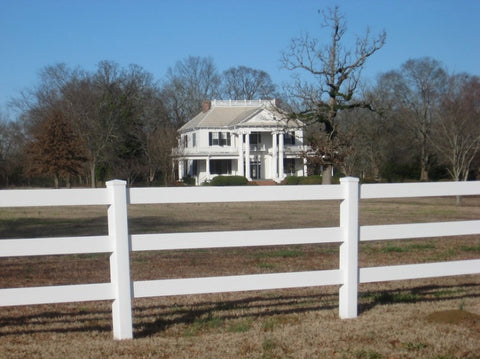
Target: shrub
<point x="291" y="180"/>
<point x="229" y="181"/>
<point x="311" y="180"/>
<point x="189" y="181"/>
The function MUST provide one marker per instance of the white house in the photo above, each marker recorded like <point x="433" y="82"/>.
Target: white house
<point x="244" y="138"/>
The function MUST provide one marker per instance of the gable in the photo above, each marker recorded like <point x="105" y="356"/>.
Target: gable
<point x="225" y="115"/>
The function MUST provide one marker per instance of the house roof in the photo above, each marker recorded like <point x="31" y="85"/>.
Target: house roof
<point x="231" y="114"/>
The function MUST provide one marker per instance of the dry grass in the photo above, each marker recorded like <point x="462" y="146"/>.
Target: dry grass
<point x="437" y="318"/>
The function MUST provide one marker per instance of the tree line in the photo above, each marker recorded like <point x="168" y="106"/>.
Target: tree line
<point x="417" y="122"/>
<point x="86" y="127"/>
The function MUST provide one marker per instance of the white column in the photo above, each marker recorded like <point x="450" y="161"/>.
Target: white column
<point x="305" y="168"/>
<point x="119" y="260"/>
<point x="348" y="295"/>
<point x="274" y="155"/>
<point x="280" y="156"/>
<point x="207" y="168"/>
<point x="240" y="155"/>
<point x="181" y="169"/>
<point x="247" y="155"/>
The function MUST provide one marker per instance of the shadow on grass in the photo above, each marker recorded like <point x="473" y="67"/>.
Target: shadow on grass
<point x="254" y="307"/>
<point x="91" y="318"/>
<point x="32" y="227"/>
<point x="59" y="321"/>
<point x="248" y="308"/>
<point x="421" y="294"/>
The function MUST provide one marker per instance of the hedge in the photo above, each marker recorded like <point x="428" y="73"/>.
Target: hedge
<point x="229" y="181"/>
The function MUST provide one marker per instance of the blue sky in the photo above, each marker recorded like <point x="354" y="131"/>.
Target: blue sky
<point x="156" y="34"/>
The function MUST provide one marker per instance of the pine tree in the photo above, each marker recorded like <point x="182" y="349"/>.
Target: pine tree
<point x="56" y="150"/>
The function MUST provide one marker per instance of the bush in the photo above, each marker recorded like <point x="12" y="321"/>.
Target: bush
<point x="294" y="180"/>
<point x="317" y="179"/>
<point x="188" y="181"/>
<point x="229" y="181"/>
<point x="291" y="180"/>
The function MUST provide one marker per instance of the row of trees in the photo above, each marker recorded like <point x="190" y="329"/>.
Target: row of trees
<point x="115" y="122"/>
<point x="417" y="122"/>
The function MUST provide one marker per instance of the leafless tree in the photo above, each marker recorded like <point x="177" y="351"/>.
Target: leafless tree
<point x="456" y="136"/>
<point x="245" y="83"/>
<point x="332" y="76"/>
<point x="418" y="86"/>
<point x="189" y="83"/>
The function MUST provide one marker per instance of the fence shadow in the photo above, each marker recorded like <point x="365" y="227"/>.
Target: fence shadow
<point x="419" y="294"/>
<point x="152" y="319"/>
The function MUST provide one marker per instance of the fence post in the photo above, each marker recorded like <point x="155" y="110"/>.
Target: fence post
<point x="119" y="260"/>
<point x="348" y="295"/>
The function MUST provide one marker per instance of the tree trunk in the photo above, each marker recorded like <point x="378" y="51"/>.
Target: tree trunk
<point x="423" y="174"/>
<point x="424" y="162"/>
<point x="93" y="183"/>
<point x="55" y="180"/>
<point x="327" y="174"/>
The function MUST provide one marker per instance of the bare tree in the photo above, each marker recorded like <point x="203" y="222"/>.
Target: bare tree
<point x="335" y="71"/>
<point x="456" y="136"/>
<point x="245" y="83"/>
<point x="189" y="83"/>
<point x="418" y="86"/>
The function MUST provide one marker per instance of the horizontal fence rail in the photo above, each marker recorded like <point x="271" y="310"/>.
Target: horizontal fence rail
<point x="119" y="242"/>
<point x="154" y="288"/>
<point x="226" y="239"/>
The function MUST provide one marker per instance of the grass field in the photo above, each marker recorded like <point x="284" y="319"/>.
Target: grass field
<point x="435" y="318"/>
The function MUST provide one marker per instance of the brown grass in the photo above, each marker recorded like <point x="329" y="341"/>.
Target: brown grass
<point x="435" y="318"/>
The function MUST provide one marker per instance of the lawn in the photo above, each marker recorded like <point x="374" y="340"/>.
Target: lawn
<point x="435" y="318"/>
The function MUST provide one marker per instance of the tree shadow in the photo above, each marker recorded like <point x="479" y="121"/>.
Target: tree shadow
<point x="32" y="227"/>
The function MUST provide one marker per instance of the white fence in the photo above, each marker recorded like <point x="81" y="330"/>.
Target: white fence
<point x="119" y="242"/>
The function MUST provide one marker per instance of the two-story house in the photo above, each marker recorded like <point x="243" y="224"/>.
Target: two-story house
<point x="245" y="138"/>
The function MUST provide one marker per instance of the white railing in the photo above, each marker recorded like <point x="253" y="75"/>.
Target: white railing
<point x="119" y="243"/>
<point x="253" y="103"/>
<point x="210" y="151"/>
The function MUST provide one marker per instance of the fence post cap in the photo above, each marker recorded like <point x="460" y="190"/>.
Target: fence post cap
<point x="116" y="182"/>
<point x="349" y="179"/>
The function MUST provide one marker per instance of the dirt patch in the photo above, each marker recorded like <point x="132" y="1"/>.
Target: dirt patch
<point x="455" y="316"/>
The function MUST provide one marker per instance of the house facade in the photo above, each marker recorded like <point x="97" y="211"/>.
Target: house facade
<point x="245" y="138"/>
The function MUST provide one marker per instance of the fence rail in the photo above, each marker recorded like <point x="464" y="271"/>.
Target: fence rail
<point x="119" y="243"/>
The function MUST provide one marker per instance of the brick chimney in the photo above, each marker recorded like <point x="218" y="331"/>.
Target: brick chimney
<point x="206" y="105"/>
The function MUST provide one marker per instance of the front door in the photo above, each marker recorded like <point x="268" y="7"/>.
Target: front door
<point x="255" y="170"/>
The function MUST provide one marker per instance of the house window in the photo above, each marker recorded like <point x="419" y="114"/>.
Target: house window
<point x="194" y="139"/>
<point x="220" y="167"/>
<point x="289" y="166"/>
<point x="185" y="141"/>
<point x="224" y="138"/>
<point x="255" y="138"/>
<point x="219" y="138"/>
<point x="289" y="138"/>
<point x="213" y="138"/>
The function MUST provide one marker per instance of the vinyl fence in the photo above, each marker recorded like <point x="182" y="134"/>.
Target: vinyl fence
<point x="119" y="242"/>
